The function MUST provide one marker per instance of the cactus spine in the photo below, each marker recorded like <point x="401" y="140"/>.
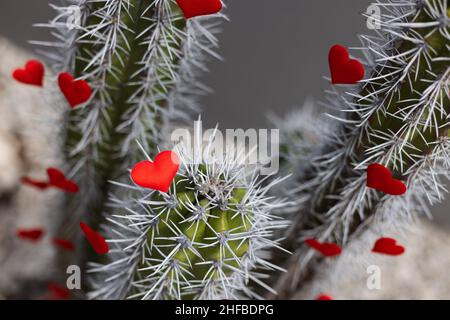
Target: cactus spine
<point x="397" y="117"/>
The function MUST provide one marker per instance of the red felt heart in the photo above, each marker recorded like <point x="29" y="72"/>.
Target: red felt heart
<point x="343" y="69"/>
<point x="157" y="175"/>
<point x="195" y="8"/>
<point x="96" y="240"/>
<point x="388" y="246"/>
<point x="32" y="74"/>
<point x="42" y="185"/>
<point x="58" y="180"/>
<point x="380" y="178"/>
<point x="75" y="91"/>
<point x="327" y="249"/>
<point x="33" y="235"/>
<point x="57" y="292"/>
<point x="64" y="244"/>
<point x="324" y="297"/>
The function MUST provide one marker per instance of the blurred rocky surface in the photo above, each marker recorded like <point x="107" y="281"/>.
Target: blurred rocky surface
<point x="28" y="145"/>
<point x="420" y="273"/>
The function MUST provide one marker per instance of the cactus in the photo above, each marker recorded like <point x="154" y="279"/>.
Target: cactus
<point x="397" y="117"/>
<point x="206" y="238"/>
<point x="140" y="58"/>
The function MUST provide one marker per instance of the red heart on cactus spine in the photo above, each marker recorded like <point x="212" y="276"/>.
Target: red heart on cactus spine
<point x="58" y="180"/>
<point x="32" y="73"/>
<point x="75" y="91"/>
<point x="380" y="178"/>
<point x="388" y="246"/>
<point x="96" y="240"/>
<point x="343" y="69"/>
<point x="33" y="235"/>
<point x="327" y="249"/>
<point x="157" y="175"/>
<point x="195" y="8"/>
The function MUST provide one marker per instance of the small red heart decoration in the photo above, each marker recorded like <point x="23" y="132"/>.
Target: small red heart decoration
<point x="75" y="91"/>
<point x="343" y="69"/>
<point x="327" y="249"/>
<point x="324" y="297"/>
<point x="388" y="246"/>
<point x="96" y="240"/>
<point x="195" y="8"/>
<point x="33" y="235"/>
<point x="58" y="180"/>
<point x="64" y="244"/>
<point x="57" y="292"/>
<point x="42" y="185"/>
<point x="32" y="73"/>
<point x="380" y="178"/>
<point x="157" y="175"/>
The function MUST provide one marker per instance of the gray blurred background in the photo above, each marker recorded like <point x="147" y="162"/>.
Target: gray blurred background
<point x="275" y="55"/>
<point x="275" y="52"/>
